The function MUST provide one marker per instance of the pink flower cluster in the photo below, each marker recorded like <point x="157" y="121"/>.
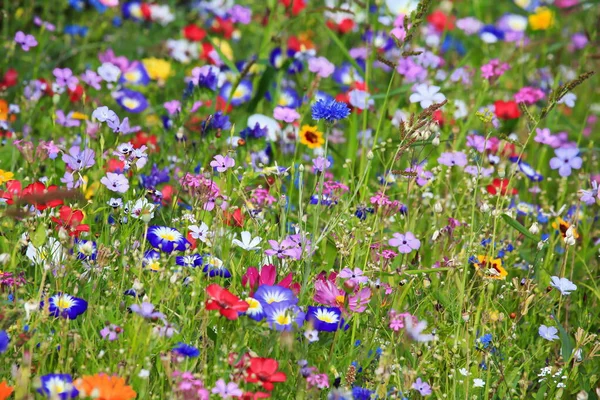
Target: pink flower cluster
<point x="529" y="95"/>
<point x="494" y="69"/>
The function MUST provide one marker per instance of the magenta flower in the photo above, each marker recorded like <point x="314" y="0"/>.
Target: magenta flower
<point x="494" y="69"/>
<point x="565" y="161"/>
<point x="405" y="242"/>
<point x="227" y="390"/>
<point x="115" y="182"/>
<point x="173" y="106"/>
<point x="321" y="66"/>
<point x="286" y="114"/>
<point x="221" y="163"/>
<point x="26" y="41"/>
<point x="451" y="159"/>
<point x="529" y="95"/>
<point x="355" y="276"/>
<point x="111" y="332"/>
<point x="64" y="77"/>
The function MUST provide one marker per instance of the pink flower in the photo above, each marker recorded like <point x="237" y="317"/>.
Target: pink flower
<point x="64" y="77"/>
<point x="405" y="242"/>
<point x="110" y="3"/>
<point x="355" y="276"/>
<point x="286" y="114"/>
<point x="173" y="106"/>
<point x="529" y="95"/>
<point x="221" y="163"/>
<point x="227" y="390"/>
<point x="321" y="66"/>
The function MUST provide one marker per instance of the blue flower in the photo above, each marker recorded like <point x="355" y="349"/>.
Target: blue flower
<point x="241" y="94"/>
<point x="484" y="340"/>
<point x="135" y="75"/>
<point x="58" y="386"/>
<point x="186" y="350"/>
<point x="359" y="393"/>
<point x="151" y="260"/>
<point x="132" y="101"/>
<point x="75" y="30"/>
<point x="531" y="173"/>
<point x="208" y="80"/>
<point x="270" y="295"/>
<point x="194" y="260"/>
<point x="283" y="316"/>
<point x="86" y="249"/>
<point x="217" y="121"/>
<point x="327" y="319"/>
<point x="254" y="133"/>
<point x="166" y="239"/>
<point x="330" y="111"/>
<point x="255" y="311"/>
<point x="65" y="306"/>
<point x="213" y="266"/>
<point x="4" y="341"/>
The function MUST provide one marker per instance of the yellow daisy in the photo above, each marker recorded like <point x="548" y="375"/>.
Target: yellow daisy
<point x="5" y="176"/>
<point x="310" y="136"/>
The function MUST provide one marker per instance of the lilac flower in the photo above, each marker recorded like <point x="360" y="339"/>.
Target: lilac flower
<point x="221" y="163"/>
<point x="78" y="160"/>
<point x="286" y="114"/>
<point x="227" y="390"/>
<point x="64" y="77"/>
<point x="478" y="142"/>
<point x="26" y="41"/>
<point x="423" y="177"/>
<point x="589" y="196"/>
<point x="146" y="310"/>
<point x="548" y="332"/>
<point x="411" y="71"/>
<point x="321" y="66"/>
<point x="563" y="285"/>
<point x="423" y="388"/>
<point x="545" y="137"/>
<point x="414" y="329"/>
<point x="111" y="332"/>
<point x="405" y="242"/>
<point x="92" y="78"/>
<point x="354" y="276"/>
<point x="173" y="106"/>
<point x="360" y="99"/>
<point x="240" y="14"/>
<point x="279" y="250"/>
<point x="109" y="72"/>
<point x="451" y="159"/>
<point x="566" y="160"/>
<point x="66" y="120"/>
<point x="104" y="114"/>
<point x="426" y="95"/>
<point x="320" y="164"/>
<point x="476" y="170"/>
<point x="115" y="182"/>
<point x="69" y="180"/>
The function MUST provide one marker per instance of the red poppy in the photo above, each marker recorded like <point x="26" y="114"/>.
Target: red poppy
<point x="9" y="79"/>
<point x="297" y="5"/>
<point x="70" y="220"/>
<point x="507" y="109"/>
<point x="143" y="139"/>
<point x="115" y="165"/>
<point x="194" y="33"/>
<point x="343" y="27"/>
<point x="76" y="95"/>
<point x="264" y="372"/>
<point x="34" y="193"/>
<point x="441" y="21"/>
<point x="228" y="304"/>
<point x="146" y="11"/>
<point x="254" y="396"/>
<point x="235" y="218"/>
<point x="500" y="186"/>
<point x="13" y="190"/>
<point x="222" y="105"/>
<point x="223" y="27"/>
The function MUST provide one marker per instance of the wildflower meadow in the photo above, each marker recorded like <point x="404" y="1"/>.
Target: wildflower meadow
<point x="299" y="199"/>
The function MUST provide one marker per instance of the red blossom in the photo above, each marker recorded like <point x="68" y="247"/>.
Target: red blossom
<point x="13" y="190"/>
<point x="9" y="79"/>
<point x="267" y="275"/>
<point x="507" y="109"/>
<point x="235" y="218"/>
<point x="297" y="5"/>
<point x="343" y="27"/>
<point x="70" y="220"/>
<point x="440" y="21"/>
<point x="76" y="95"/>
<point x="33" y="193"/>
<point x="144" y="139"/>
<point x="194" y="33"/>
<point x="500" y="186"/>
<point x="228" y="304"/>
<point x="223" y="27"/>
<point x="264" y="372"/>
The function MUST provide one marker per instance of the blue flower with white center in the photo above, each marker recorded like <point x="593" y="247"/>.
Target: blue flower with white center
<point x="166" y="239"/>
<point x="283" y="317"/>
<point x="57" y="386"/>
<point x="65" y="306"/>
<point x="288" y="97"/>
<point x="135" y="75"/>
<point x="327" y="319"/>
<point x="151" y="260"/>
<point x="346" y="74"/>
<point x="132" y="10"/>
<point x="132" y="101"/>
<point x="193" y="261"/>
<point x="213" y="266"/>
<point x="241" y="94"/>
<point x="186" y="350"/>
<point x="331" y="111"/>
<point x="276" y="57"/>
<point x="86" y="249"/>
<point x="491" y="34"/>
<point x="255" y="310"/>
<point x="268" y="294"/>
<point x="530" y="172"/>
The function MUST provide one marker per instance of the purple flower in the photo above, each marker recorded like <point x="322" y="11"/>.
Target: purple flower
<point x="92" y="78"/>
<point x="423" y="388"/>
<point x="354" y="276"/>
<point x="26" y="41"/>
<point x="360" y="99"/>
<point x="565" y="160"/>
<point x="451" y="159"/>
<point x="589" y="196"/>
<point x="104" y="114"/>
<point x="240" y="14"/>
<point x="548" y="332"/>
<point x="227" y="390"/>
<point x="321" y="66"/>
<point x="66" y="120"/>
<point x="478" y="143"/>
<point x="64" y="77"/>
<point x="545" y="137"/>
<point x="405" y="242"/>
<point x="286" y="114"/>
<point x="173" y="106"/>
<point x="146" y="310"/>
<point x="78" y="160"/>
<point x="115" y="182"/>
<point x="111" y="332"/>
<point x="69" y="180"/>
<point x="320" y="164"/>
<point x="221" y="163"/>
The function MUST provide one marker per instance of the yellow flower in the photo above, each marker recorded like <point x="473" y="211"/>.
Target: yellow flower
<point x="310" y="136"/>
<point x="542" y="19"/>
<point x="490" y="267"/>
<point x="224" y="47"/>
<point x="563" y="226"/>
<point x="157" y="69"/>
<point x="78" y="115"/>
<point x="152" y="120"/>
<point x="5" y="176"/>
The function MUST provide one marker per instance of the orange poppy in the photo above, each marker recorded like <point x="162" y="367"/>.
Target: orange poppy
<point x="104" y="387"/>
<point x="5" y="390"/>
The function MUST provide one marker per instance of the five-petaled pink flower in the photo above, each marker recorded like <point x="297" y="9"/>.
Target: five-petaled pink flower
<point x="221" y="163"/>
<point x="26" y="41"/>
<point x="286" y="114"/>
<point x="405" y="242"/>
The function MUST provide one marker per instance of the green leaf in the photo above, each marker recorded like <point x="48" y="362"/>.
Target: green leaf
<point x="567" y="342"/>
<point x="517" y="225"/>
<point x="263" y="86"/>
<point x="39" y="236"/>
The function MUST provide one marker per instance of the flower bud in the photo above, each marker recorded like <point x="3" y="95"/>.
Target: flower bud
<point x="437" y="207"/>
<point x="535" y="228"/>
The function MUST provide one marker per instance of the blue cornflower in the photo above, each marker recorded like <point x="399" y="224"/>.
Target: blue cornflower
<point x="485" y="340"/>
<point x="156" y="177"/>
<point x="330" y="111"/>
<point x="218" y="121"/>
<point x="4" y="341"/>
<point x="186" y="350"/>
<point x="359" y="393"/>
<point x="254" y="133"/>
